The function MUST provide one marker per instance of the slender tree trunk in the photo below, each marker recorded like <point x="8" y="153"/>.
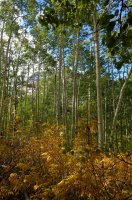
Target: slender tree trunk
<point x="38" y="93"/>
<point x="59" y="103"/>
<point x="1" y="54"/>
<point x="89" y="103"/>
<point x="98" y="84"/>
<point x="113" y="94"/>
<point x="64" y="100"/>
<point x="4" y="88"/>
<point x="55" y="94"/>
<point x="26" y="97"/>
<point x="44" y="97"/>
<point x="15" y="71"/>
<point x="105" y="117"/>
<point x="33" y="100"/>
<point x="117" y="110"/>
<point x="47" y="100"/>
<point x="74" y="97"/>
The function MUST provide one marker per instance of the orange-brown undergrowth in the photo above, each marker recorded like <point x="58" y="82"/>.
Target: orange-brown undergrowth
<point x="42" y="169"/>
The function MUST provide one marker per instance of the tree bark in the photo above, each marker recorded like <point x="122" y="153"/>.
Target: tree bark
<point x="74" y="97"/>
<point x="59" y="103"/>
<point x="98" y="84"/>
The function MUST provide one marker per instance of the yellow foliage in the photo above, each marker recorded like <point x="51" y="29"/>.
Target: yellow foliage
<point x="36" y="187"/>
<point x="44" y="169"/>
<point x="22" y="166"/>
<point x="13" y="175"/>
<point x="49" y="158"/>
<point x="14" y="180"/>
<point x="41" y="147"/>
<point x="45" y="154"/>
<point x="62" y="182"/>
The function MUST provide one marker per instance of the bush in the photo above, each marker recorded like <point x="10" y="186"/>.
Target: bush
<point x="42" y="169"/>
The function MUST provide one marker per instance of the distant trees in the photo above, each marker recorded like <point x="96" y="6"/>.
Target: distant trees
<point x="80" y="53"/>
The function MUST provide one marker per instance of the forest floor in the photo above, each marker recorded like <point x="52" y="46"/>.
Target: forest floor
<point x="41" y="168"/>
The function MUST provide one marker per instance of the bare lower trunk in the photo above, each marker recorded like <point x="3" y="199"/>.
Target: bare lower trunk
<point x="98" y="85"/>
<point x="74" y="97"/>
<point x="59" y="84"/>
<point x="64" y="99"/>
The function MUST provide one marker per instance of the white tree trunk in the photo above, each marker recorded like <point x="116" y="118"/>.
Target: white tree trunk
<point x="118" y="107"/>
<point x="98" y="84"/>
<point x="74" y="95"/>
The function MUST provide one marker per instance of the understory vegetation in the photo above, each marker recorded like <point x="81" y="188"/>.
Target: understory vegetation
<point x="41" y="168"/>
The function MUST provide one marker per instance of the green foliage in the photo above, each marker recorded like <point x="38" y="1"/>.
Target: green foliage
<point x="117" y="37"/>
<point x="65" y="13"/>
